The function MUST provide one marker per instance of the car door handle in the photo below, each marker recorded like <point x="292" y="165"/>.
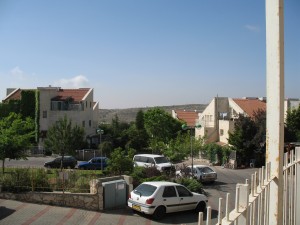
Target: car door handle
<point x="165" y="199"/>
<point x="181" y="198"/>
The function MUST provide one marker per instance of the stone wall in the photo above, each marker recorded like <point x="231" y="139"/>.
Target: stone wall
<point x="90" y="201"/>
<point x="75" y="200"/>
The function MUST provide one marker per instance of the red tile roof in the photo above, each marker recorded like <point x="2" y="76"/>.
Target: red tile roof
<point x="189" y="117"/>
<point x="15" y="95"/>
<point x="76" y="94"/>
<point x="250" y="105"/>
<point x="62" y="94"/>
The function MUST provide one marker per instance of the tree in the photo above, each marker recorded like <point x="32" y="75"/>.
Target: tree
<point x="292" y="123"/>
<point x="15" y="136"/>
<point x="161" y="126"/>
<point x="121" y="162"/>
<point x="63" y="138"/>
<point x="241" y="139"/>
<point x="137" y="135"/>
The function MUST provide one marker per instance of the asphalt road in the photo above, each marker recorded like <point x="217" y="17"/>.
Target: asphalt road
<point x="226" y="183"/>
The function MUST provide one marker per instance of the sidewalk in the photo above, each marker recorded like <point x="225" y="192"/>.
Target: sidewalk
<point x="15" y="213"/>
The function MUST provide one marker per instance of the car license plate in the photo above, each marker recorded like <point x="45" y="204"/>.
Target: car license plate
<point x="136" y="207"/>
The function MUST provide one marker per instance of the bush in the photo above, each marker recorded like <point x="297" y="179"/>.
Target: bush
<point x="19" y="180"/>
<point x="143" y="174"/>
<point x="81" y="186"/>
<point x="192" y="184"/>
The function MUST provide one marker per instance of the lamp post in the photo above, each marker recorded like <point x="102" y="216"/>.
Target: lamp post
<point x="100" y="132"/>
<point x="185" y="127"/>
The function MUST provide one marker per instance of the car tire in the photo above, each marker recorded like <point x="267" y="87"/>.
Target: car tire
<point x="201" y="207"/>
<point x="159" y="212"/>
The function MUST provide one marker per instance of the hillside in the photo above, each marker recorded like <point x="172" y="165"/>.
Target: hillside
<point x="128" y="115"/>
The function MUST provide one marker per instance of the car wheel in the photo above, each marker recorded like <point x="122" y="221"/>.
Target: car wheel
<point x="159" y="212"/>
<point x="201" y="207"/>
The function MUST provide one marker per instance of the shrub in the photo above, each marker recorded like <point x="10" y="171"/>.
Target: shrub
<point x="81" y="186"/>
<point x="22" y="180"/>
<point x="192" y="184"/>
<point x="143" y="174"/>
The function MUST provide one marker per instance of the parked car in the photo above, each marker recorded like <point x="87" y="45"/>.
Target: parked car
<point x="157" y="198"/>
<point x="68" y="162"/>
<point x="96" y="163"/>
<point x="202" y="173"/>
<point x="159" y="161"/>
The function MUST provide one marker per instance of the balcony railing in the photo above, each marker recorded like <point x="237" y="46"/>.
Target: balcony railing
<point x="252" y="200"/>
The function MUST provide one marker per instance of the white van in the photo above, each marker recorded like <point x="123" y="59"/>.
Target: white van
<point x="159" y="161"/>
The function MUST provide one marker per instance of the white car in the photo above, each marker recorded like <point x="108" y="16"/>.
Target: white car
<point x="159" y="197"/>
<point x="202" y="173"/>
<point x="148" y="160"/>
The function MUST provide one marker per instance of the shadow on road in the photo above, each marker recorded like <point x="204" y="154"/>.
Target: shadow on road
<point x="5" y="212"/>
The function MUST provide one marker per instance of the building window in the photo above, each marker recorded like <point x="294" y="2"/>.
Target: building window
<point x="44" y="114"/>
<point x="83" y="123"/>
<point x="221" y="132"/>
<point x="90" y="123"/>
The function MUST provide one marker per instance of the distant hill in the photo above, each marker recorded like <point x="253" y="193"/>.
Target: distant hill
<point x="128" y="115"/>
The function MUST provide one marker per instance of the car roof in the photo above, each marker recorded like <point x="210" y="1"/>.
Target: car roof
<point x="65" y="156"/>
<point x="199" y="166"/>
<point x="161" y="183"/>
<point x="150" y="155"/>
<point x="99" y="157"/>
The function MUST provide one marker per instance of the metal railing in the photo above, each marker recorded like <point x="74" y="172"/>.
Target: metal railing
<point x="252" y="200"/>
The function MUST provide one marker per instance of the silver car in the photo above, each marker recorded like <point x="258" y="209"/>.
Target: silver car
<point x="157" y="198"/>
<point x="202" y="173"/>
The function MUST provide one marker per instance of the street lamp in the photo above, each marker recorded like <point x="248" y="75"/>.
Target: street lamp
<point x="100" y="132"/>
<point x="185" y="127"/>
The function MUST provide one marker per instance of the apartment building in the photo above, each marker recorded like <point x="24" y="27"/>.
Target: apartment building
<point x="55" y="102"/>
<point x="218" y="118"/>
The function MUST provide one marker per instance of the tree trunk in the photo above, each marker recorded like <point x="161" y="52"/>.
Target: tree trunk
<point x="3" y="166"/>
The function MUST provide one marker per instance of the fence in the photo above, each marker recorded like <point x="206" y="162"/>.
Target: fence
<point x="252" y="198"/>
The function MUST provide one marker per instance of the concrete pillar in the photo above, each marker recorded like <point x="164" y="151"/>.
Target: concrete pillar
<point x="275" y="105"/>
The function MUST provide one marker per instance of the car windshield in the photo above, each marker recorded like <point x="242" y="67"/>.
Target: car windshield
<point x="161" y="159"/>
<point x="145" y="190"/>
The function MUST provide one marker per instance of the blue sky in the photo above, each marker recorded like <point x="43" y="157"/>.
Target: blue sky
<point x="138" y="53"/>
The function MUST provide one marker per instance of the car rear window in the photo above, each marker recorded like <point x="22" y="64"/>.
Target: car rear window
<point x="145" y="190"/>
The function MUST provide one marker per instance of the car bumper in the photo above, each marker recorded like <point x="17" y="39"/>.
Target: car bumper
<point x="147" y="209"/>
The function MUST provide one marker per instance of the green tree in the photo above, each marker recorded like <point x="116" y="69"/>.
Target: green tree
<point x="137" y="135"/>
<point x="293" y="125"/>
<point x="116" y="133"/>
<point x="242" y="138"/>
<point x="120" y="161"/>
<point x="7" y="107"/>
<point x="161" y="126"/>
<point x="63" y="138"/>
<point x="214" y="153"/>
<point x="15" y="136"/>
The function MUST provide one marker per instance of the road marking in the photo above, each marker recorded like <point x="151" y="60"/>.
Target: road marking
<point x="36" y="216"/>
<point x="94" y="219"/>
<point x="68" y="216"/>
